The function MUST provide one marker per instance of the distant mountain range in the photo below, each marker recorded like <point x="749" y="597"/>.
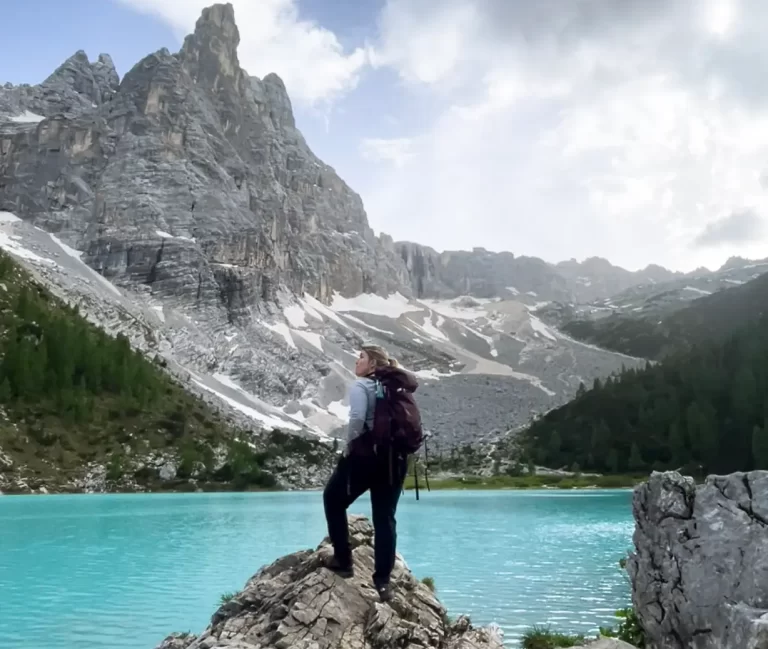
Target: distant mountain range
<point x="653" y="321"/>
<point x="485" y="274"/>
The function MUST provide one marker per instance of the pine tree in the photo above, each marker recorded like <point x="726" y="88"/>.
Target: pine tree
<point x="554" y="447"/>
<point x="760" y="447"/>
<point x="613" y="461"/>
<point x="636" y="462"/>
<point x="677" y="448"/>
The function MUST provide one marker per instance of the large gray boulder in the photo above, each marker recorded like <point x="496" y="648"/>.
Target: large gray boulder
<point x="700" y="567"/>
<point x="296" y="603"/>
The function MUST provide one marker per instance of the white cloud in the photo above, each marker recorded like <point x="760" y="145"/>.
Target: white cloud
<point x="425" y="45"/>
<point x="736" y="227"/>
<point x="274" y="38"/>
<point x="621" y="131"/>
<point x="397" y="151"/>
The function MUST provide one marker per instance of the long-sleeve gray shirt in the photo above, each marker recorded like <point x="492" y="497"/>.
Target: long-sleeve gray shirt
<point x="362" y="401"/>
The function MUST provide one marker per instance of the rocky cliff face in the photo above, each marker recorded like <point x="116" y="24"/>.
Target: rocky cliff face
<point x="297" y="603"/>
<point x="479" y="273"/>
<point x="188" y="177"/>
<point x="700" y="570"/>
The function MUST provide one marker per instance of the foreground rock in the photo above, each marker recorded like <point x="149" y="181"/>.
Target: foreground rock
<point x="700" y="569"/>
<point x="296" y="603"/>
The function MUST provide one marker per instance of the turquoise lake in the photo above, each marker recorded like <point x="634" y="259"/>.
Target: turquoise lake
<point x="123" y="571"/>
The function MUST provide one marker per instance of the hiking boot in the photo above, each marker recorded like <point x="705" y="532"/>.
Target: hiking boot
<point x="384" y="591"/>
<point x="341" y="568"/>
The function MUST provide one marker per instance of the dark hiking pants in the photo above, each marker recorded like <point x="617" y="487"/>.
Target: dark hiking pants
<point x="352" y="478"/>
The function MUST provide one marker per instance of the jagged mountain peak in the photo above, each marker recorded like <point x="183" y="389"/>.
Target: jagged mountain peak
<point x="275" y="80"/>
<point x="221" y="15"/>
<point x="656" y="268"/>
<point x="96" y="81"/>
<point x="105" y="59"/>
<point x="735" y="262"/>
<point x="276" y="95"/>
<point x="597" y="263"/>
<point x="209" y="54"/>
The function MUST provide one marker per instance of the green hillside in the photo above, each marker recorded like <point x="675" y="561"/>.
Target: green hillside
<point x="705" y="409"/>
<point x="73" y="399"/>
<point x="656" y="336"/>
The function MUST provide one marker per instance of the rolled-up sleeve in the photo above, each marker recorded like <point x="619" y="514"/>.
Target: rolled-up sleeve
<point x="358" y="411"/>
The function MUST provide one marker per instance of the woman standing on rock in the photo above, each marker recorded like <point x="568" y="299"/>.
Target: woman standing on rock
<point x="384" y="428"/>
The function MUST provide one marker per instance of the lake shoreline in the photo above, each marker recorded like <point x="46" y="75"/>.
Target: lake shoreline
<point x="438" y="481"/>
<point x="526" y="482"/>
<point x="452" y="485"/>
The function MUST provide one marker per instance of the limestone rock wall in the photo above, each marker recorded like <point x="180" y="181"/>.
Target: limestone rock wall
<point x="700" y="567"/>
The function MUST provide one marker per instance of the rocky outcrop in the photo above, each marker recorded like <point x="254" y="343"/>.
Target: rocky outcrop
<point x="296" y="603"/>
<point x="700" y="569"/>
<point x="76" y="87"/>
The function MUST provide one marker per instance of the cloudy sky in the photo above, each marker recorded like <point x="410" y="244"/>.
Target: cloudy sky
<point x="636" y="130"/>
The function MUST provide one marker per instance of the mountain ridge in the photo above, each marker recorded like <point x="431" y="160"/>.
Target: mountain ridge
<point x="669" y="322"/>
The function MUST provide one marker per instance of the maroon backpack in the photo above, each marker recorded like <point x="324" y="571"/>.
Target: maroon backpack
<point x="396" y="418"/>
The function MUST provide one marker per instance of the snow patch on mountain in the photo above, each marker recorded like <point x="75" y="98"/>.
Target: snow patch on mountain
<point x="392" y="306"/>
<point x="26" y="117"/>
<point x="700" y="291"/>
<point x="314" y="339"/>
<point x="243" y="401"/>
<point x="540" y="328"/>
<point x="281" y="329"/>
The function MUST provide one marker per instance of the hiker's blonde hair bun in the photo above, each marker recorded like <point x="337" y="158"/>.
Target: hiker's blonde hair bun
<point x="379" y="356"/>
